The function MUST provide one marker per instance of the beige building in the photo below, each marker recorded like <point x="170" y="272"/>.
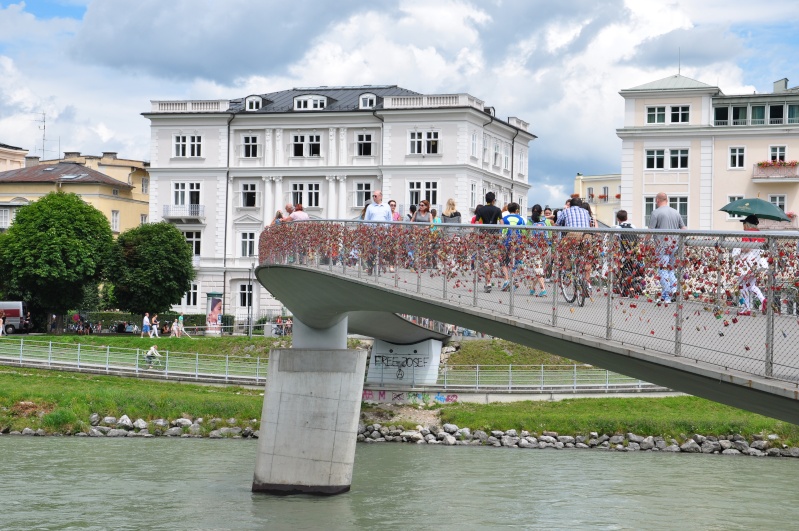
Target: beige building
<point x="602" y="192"/>
<point x="12" y="158"/>
<point x="705" y="148"/>
<point x="119" y="188"/>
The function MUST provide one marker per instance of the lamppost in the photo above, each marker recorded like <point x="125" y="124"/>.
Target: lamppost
<point x="249" y="298"/>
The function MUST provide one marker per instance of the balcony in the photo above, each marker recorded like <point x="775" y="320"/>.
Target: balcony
<point x="184" y="213"/>
<point x="432" y="101"/>
<point x="189" y="106"/>
<point x="775" y="174"/>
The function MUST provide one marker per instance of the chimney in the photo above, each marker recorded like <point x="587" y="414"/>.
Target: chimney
<point x="109" y="154"/>
<point x="71" y="154"/>
<point x="31" y="160"/>
<point x="781" y="85"/>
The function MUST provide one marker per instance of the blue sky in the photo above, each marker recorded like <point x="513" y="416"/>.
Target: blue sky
<point x="94" y="65"/>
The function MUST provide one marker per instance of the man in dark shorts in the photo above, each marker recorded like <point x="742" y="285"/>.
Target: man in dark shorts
<point x="489" y="214"/>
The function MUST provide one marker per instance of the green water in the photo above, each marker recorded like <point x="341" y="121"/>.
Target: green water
<point x="72" y="483"/>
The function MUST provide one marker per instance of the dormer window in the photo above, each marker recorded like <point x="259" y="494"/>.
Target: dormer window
<point x="307" y="103"/>
<point x="367" y="101"/>
<point x="253" y="103"/>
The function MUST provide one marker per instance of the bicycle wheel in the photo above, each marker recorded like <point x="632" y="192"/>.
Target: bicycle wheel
<point x="581" y="291"/>
<point x="568" y="286"/>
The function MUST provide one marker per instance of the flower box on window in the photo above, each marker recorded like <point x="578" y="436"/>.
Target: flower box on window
<point x="618" y="196"/>
<point x="603" y="196"/>
<point x="777" y="163"/>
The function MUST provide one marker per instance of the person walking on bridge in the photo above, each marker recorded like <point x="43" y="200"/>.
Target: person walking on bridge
<point x="489" y="214"/>
<point x="665" y="217"/>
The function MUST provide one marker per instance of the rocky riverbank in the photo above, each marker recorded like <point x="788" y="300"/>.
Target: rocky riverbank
<point x="452" y="435"/>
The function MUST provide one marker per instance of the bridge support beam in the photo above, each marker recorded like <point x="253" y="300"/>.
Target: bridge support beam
<point x="310" y="416"/>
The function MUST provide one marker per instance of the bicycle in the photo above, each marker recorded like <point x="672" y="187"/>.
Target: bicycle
<point x="572" y="284"/>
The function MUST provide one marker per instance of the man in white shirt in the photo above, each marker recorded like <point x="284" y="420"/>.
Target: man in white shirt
<point x="378" y="211"/>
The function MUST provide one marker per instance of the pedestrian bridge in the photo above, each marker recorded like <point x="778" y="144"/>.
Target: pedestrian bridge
<point x="325" y="270"/>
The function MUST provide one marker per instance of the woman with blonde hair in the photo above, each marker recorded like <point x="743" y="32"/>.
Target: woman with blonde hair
<point x="450" y="214"/>
<point x="278" y="218"/>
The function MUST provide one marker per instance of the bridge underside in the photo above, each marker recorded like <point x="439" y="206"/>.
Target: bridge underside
<point x="320" y="299"/>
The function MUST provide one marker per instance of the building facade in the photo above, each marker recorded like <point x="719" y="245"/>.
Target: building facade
<point x="11" y="158"/>
<point x="116" y="187"/>
<point x="220" y="170"/>
<point x="705" y="149"/>
<point x="602" y="192"/>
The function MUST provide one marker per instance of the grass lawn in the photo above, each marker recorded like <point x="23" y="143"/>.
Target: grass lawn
<point x="501" y="352"/>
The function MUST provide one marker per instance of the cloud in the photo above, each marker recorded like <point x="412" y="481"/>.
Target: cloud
<point x="189" y="39"/>
<point x="695" y="47"/>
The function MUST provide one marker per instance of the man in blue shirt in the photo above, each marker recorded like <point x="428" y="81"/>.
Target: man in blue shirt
<point x="513" y="239"/>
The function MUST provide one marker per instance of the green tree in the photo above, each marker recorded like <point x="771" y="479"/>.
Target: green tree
<point x="55" y="247"/>
<point x="152" y="268"/>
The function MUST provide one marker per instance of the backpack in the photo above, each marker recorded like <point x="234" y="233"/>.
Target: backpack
<point x="512" y="219"/>
<point x="629" y="242"/>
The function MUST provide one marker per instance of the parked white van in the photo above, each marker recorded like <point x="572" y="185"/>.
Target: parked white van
<point x="15" y="312"/>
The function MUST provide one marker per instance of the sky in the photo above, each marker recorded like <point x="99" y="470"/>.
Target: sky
<point x="89" y="68"/>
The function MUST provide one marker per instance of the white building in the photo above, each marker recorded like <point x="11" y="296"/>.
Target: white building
<point x="705" y="149"/>
<point x="221" y="169"/>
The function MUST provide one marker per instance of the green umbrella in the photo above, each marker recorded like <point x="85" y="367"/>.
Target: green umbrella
<point x="755" y="207"/>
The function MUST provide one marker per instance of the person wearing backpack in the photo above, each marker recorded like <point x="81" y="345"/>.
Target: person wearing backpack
<point x="630" y="273"/>
<point x="513" y="239"/>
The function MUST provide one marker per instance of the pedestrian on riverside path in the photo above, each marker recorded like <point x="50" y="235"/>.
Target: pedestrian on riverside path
<point x="152" y="356"/>
<point x="154" y="322"/>
<point x="145" y="325"/>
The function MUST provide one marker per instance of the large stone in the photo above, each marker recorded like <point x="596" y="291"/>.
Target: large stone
<point x="740" y="445"/>
<point x="94" y="419"/>
<point x="450" y="428"/>
<point x="552" y="434"/>
<point x="109" y="421"/>
<point x="633" y="446"/>
<point x="465" y="433"/>
<point x="480" y="434"/>
<point x="709" y="447"/>
<point x="730" y="451"/>
<point x="497" y="434"/>
<point x="195" y="429"/>
<point x="759" y="445"/>
<point x="215" y="434"/>
<point x="124" y="423"/>
<point x="634" y="438"/>
<point x="160" y="423"/>
<point x="117" y="433"/>
<point x="548" y="439"/>
<point x="673" y="448"/>
<point x="512" y="433"/>
<point x="103" y="429"/>
<point x="616" y="439"/>
<point x="230" y="431"/>
<point x="725" y="444"/>
<point x="698" y="438"/>
<point x="174" y="432"/>
<point x="140" y="424"/>
<point x="448" y="440"/>
<point x="690" y="446"/>
<point x="647" y="443"/>
<point x="182" y="423"/>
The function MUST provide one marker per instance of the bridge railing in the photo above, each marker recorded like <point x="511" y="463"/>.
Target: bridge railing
<point x="715" y="276"/>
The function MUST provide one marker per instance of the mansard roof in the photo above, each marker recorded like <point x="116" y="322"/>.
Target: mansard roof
<point x="338" y="98"/>
<point x="71" y="172"/>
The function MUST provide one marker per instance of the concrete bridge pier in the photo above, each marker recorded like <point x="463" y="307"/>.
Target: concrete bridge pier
<point x="310" y="416"/>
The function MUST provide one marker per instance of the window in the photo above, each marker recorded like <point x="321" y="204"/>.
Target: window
<point x="304" y="103"/>
<point x="605" y="193"/>
<point x="115" y="192"/>
<point x="776" y="114"/>
<point x="793" y="114"/>
<point x="142" y="219"/>
<point x="416" y="143"/>
<point x="739" y="116"/>
<point x="655" y="115"/>
<point x="314" y="146"/>
<point x="679" y="114"/>
<point x="186" y="193"/>
<point x="193" y="239"/>
<point x="306" y="194"/>
<point x="363" y="193"/>
<point x="248" y="195"/>
<point x="423" y="143"/>
<point x="188" y="146"/>
<point x="367" y="101"/>
<point x="431" y="192"/>
<point x="5" y="218"/>
<point x="486" y="139"/>
<point x="736" y="157"/>
<point x="730" y="199"/>
<point x="506" y="161"/>
<point x="721" y="116"/>
<point x="474" y="144"/>
<point x="654" y="159"/>
<point x="473" y="195"/>
<point x="306" y="146"/>
<point x="253" y="104"/>
<point x="590" y="193"/>
<point x="115" y="220"/>
<point x="145" y="185"/>
<point x="191" y="296"/>
<point x="250" y="147"/>
<point x="364" y="145"/>
<point x="649" y="207"/>
<point x="418" y="190"/>
<point x="247" y="244"/>
<point x="496" y="153"/>
<point x="678" y="159"/>
<point x="431" y="145"/>
<point x="778" y="200"/>
<point x="245" y="295"/>
<point x="778" y="153"/>
<point x="414" y="192"/>
<point x="758" y="114"/>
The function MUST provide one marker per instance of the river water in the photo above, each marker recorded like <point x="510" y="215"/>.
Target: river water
<point x="80" y="483"/>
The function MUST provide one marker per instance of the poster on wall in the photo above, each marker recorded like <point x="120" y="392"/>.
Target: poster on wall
<point x="415" y="364"/>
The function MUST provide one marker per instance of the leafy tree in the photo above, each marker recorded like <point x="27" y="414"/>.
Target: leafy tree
<point x="55" y="247"/>
<point x="152" y="268"/>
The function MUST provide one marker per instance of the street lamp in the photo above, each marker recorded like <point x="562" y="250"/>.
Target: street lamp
<point x="249" y="297"/>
